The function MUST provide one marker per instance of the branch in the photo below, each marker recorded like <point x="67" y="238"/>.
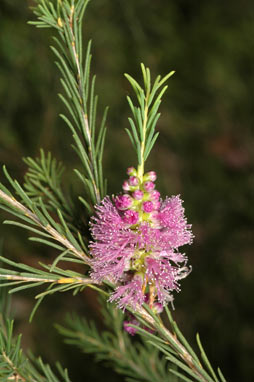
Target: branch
<point x="140" y="361"/>
<point x="16" y="376"/>
<point x="79" y="98"/>
<point x="10" y="200"/>
<point x="82" y="97"/>
<point x="60" y="280"/>
<point x="15" y="366"/>
<point x="175" y="347"/>
<point x="145" y="116"/>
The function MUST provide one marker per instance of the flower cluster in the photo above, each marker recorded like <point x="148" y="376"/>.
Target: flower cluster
<point x="136" y="240"/>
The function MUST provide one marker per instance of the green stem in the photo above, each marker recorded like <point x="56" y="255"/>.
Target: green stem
<point x="141" y="166"/>
<point x="86" y="126"/>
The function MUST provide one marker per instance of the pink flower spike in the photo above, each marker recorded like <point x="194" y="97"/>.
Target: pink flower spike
<point x="138" y="194"/>
<point x="148" y="207"/>
<point x="123" y="202"/>
<point x="136" y="244"/>
<point x="148" y="186"/>
<point x="131" y="217"/>
<point x="126" y="186"/>
<point x="151" y="175"/>
<point x="131" y="171"/>
<point x="155" y="195"/>
<point x="133" y="181"/>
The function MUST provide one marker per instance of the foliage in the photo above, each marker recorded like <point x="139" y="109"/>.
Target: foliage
<point x="15" y="365"/>
<point x="142" y="133"/>
<point x="138" y="361"/>
<point x="43" y="179"/>
<point x="80" y="100"/>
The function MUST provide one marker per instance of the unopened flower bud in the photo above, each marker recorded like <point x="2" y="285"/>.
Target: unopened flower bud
<point x="123" y="202"/>
<point x="156" y="204"/>
<point x="155" y="195"/>
<point x="148" y="206"/>
<point x="129" y="329"/>
<point x="157" y="307"/>
<point x="131" y="171"/>
<point x="138" y="194"/>
<point x="154" y="218"/>
<point x="148" y="186"/>
<point x="126" y="186"/>
<point x="131" y="217"/>
<point x="151" y="175"/>
<point x="133" y="181"/>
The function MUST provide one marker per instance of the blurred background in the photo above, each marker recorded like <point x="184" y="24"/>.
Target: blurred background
<point x="204" y="152"/>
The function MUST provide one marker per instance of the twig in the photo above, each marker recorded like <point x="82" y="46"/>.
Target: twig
<point x="84" y="115"/>
<point x="175" y="344"/>
<point x="56" y="235"/>
<point x="15" y="376"/>
<point x="62" y="280"/>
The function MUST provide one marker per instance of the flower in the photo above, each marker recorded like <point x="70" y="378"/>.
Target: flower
<point x="130" y="293"/>
<point x="129" y="329"/>
<point x="148" y="206"/>
<point x="138" y="194"/>
<point x="123" y="202"/>
<point x="133" y="181"/>
<point x="131" y="217"/>
<point x="136" y="240"/>
<point x="149" y="186"/>
<point x="131" y="171"/>
<point x="151" y="175"/>
<point x="155" y="195"/>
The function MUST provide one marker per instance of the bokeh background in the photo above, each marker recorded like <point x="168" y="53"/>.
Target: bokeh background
<point x="204" y="152"/>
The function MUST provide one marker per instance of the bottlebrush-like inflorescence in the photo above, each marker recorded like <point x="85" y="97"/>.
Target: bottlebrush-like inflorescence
<point x="136" y="239"/>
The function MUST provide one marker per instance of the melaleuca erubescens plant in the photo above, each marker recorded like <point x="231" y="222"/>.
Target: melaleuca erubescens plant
<point x="132" y="250"/>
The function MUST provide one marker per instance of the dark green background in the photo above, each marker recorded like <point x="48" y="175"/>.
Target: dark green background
<point x="204" y="152"/>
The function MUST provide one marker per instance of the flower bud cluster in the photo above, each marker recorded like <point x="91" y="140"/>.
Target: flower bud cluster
<point x="140" y="201"/>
